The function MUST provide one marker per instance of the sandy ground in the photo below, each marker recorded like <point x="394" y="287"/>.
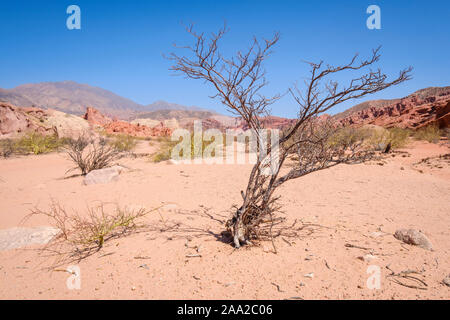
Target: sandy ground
<point x="361" y="205"/>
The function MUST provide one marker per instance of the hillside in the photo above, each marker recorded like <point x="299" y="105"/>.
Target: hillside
<point x="429" y="106"/>
<point x="422" y="93"/>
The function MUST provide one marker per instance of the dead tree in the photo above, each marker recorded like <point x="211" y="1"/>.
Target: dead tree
<point x="317" y="143"/>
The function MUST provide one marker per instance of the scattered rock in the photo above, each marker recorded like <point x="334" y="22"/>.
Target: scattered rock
<point x="103" y="175"/>
<point x="20" y="237"/>
<point x="309" y="275"/>
<point x="367" y="258"/>
<point x="413" y="237"/>
<point x="446" y="281"/>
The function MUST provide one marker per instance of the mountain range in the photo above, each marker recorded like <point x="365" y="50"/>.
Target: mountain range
<point x="72" y="97"/>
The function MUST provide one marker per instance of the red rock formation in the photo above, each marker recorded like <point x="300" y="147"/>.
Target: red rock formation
<point x="17" y="120"/>
<point x="94" y="117"/>
<point x="411" y="112"/>
<point x="115" y="126"/>
<point x="136" y="130"/>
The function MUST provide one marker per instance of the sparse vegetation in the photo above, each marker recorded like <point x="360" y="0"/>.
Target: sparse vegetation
<point x="375" y="138"/>
<point x="7" y="147"/>
<point x="430" y="133"/>
<point x="31" y="143"/>
<point x="38" y="143"/>
<point x="89" y="153"/>
<point x="397" y="137"/>
<point x="82" y="235"/>
<point x="239" y="81"/>
<point x="123" y="142"/>
<point x="165" y="146"/>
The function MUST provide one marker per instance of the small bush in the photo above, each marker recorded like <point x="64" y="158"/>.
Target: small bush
<point x="38" y="143"/>
<point x="429" y="133"/>
<point x="447" y="133"/>
<point x="7" y="147"/>
<point x="376" y="139"/>
<point x="91" y="154"/>
<point x="348" y="136"/>
<point x="165" y="149"/>
<point x="397" y="137"/>
<point x="88" y="233"/>
<point x="123" y="143"/>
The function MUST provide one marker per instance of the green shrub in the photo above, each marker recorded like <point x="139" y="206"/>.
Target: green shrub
<point x="123" y="143"/>
<point x="37" y="143"/>
<point x="397" y="137"/>
<point x="375" y="138"/>
<point x="165" y="149"/>
<point x="348" y="136"/>
<point x="166" y="145"/>
<point x="429" y="133"/>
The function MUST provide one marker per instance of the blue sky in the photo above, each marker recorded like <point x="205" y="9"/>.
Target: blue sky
<point x="120" y="44"/>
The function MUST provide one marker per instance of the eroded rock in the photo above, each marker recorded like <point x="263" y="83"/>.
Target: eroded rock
<point x="413" y="237"/>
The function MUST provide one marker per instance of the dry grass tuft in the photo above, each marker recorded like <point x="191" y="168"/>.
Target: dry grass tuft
<point x="80" y="236"/>
<point x="430" y="133"/>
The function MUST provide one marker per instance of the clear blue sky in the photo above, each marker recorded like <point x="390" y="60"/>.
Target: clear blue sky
<point x="120" y="44"/>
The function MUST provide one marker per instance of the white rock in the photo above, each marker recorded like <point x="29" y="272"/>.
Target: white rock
<point x="367" y="257"/>
<point x="309" y="275"/>
<point x="103" y="175"/>
<point x="20" y="237"/>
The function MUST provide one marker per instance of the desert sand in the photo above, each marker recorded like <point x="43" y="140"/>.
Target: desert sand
<point x="347" y="212"/>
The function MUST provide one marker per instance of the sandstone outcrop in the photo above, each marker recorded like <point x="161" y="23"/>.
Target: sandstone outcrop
<point x="412" y="112"/>
<point x="114" y="126"/>
<point x="16" y="120"/>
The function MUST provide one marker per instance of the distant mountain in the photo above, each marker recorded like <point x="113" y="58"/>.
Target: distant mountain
<point x="163" y="105"/>
<point x="164" y="114"/>
<point x="73" y="97"/>
<point x="14" y="98"/>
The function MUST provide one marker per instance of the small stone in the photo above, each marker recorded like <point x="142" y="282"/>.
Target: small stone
<point x="413" y="237"/>
<point x="309" y="275"/>
<point x="133" y="288"/>
<point x="367" y="258"/>
<point x="446" y="281"/>
<point x="376" y="234"/>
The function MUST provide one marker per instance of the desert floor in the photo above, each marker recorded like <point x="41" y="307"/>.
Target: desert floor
<point x="182" y="256"/>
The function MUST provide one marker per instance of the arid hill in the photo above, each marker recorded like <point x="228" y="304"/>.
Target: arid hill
<point x="421" y="108"/>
